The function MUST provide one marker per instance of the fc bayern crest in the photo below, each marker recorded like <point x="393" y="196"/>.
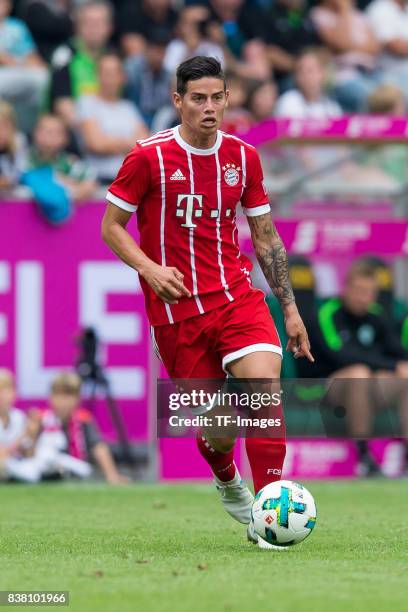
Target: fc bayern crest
<point x="231" y="174"/>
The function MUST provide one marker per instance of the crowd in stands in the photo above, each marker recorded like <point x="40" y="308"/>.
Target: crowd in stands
<point x="103" y="73"/>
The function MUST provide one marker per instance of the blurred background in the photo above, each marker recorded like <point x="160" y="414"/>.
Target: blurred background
<point x="320" y="88"/>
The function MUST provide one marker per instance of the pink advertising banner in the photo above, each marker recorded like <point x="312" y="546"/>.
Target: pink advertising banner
<point x="348" y="128"/>
<point x="54" y="281"/>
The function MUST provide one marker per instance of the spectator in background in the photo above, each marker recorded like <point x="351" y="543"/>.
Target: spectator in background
<point x="392" y="159"/>
<point x="241" y="34"/>
<point x="13" y="149"/>
<point x="262" y="100"/>
<point x="74" y="65"/>
<point x="389" y="20"/>
<point x="347" y="32"/>
<point x="241" y="22"/>
<point x="387" y="100"/>
<point x="50" y="23"/>
<point x="237" y="118"/>
<point x="23" y="75"/>
<point x="56" y="178"/>
<point x="148" y="80"/>
<point x="109" y="126"/>
<point x="308" y="100"/>
<point x="191" y="38"/>
<point x="12" y="425"/>
<point x="136" y="19"/>
<point x="82" y="440"/>
<point x="355" y="345"/>
<point x="289" y="30"/>
<point x="167" y="116"/>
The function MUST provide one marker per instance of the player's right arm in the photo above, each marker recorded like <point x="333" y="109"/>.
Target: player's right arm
<point x="166" y="282"/>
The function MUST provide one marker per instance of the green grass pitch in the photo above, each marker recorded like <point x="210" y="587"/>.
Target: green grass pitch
<point x="172" y="548"/>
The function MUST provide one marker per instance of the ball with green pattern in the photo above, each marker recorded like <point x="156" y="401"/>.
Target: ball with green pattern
<point x="284" y="513"/>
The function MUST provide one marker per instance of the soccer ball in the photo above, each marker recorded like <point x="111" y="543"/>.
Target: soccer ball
<point x="283" y="513"/>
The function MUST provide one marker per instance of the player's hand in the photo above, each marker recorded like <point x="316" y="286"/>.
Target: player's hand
<point x="166" y="282"/>
<point x="298" y="341"/>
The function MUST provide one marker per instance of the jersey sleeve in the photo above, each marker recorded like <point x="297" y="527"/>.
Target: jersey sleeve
<point x="132" y="181"/>
<point x="254" y="198"/>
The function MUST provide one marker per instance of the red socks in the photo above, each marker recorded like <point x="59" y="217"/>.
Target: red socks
<point x="222" y="464"/>
<point x="266" y="458"/>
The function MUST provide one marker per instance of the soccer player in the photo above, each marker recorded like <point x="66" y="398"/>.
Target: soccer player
<point x="206" y="318"/>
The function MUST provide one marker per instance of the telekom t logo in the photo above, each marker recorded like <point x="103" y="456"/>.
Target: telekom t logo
<point x="191" y="199"/>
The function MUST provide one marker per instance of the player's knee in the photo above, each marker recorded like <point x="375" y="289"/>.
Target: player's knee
<point x="223" y="445"/>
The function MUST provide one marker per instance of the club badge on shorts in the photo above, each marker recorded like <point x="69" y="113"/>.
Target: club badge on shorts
<point x="231" y="174"/>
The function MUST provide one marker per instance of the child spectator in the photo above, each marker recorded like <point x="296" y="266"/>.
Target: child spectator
<point x="23" y="75"/>
<point x="56" y="177"/>
<point x="308" y="100"/>
<point x="75" y="70"/>
<point x="109" y="126"/>
<point x="13" y="149"/>
<point x="83" y="442"/>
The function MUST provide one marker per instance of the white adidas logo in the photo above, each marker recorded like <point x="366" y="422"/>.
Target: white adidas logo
<point x="178" y="176"/>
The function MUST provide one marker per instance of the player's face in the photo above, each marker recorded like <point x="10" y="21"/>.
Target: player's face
<point x="359" y="294"/>
<point x="202" y="106"/>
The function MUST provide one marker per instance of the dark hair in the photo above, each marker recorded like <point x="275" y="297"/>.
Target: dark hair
<point x="196" y="68"/>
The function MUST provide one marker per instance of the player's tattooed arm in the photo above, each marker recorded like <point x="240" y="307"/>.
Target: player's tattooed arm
<point x="271" y="254"/>
<point x="272" y="257"/>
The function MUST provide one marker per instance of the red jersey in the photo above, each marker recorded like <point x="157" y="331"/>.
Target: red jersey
<point x="186" y="199"/>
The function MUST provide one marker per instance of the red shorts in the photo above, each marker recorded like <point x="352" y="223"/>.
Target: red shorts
<point x="203" y="346"/>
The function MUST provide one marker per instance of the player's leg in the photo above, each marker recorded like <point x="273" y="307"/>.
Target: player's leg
<point x="266" y="454"/>
<point x="251" y="349"/>
<point x="187" y="353"/>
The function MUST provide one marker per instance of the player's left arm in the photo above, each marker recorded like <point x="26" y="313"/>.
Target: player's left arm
<point x="271" y="254"/>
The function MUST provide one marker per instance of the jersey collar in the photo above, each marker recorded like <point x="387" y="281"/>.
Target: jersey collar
<point x="184" y="145"/>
